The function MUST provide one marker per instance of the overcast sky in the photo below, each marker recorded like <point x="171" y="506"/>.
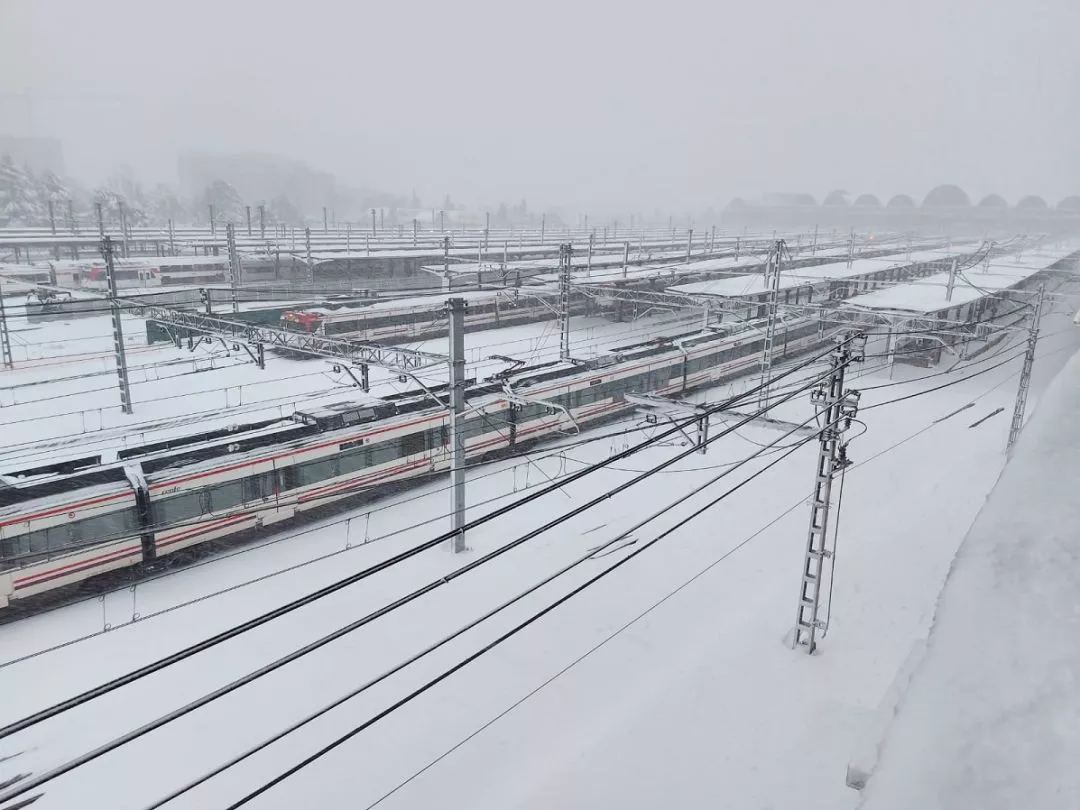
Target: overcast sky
<point x="596" y="106"/>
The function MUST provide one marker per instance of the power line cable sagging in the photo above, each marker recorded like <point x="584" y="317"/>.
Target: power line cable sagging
<point x="160" y="664"/>
<point x="609" y="546"/>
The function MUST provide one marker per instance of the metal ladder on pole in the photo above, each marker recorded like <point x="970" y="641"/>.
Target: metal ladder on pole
<point x="838" y="408"/>
<point x="1025" y="374"/>
<point x="5" y="335"/>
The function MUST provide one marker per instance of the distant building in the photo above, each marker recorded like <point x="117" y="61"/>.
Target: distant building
<point x="785" y="199"/>
<point x="40" y="154"/>
<point x="259" y="177"/>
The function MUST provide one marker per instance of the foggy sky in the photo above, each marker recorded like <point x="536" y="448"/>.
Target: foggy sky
<point x="600" y="107"/>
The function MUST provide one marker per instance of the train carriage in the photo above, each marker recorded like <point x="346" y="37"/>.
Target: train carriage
<point x="181" y="497"/>
<point x="417" y="319"/>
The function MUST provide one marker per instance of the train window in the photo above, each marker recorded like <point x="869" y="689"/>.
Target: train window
<point x="228" y="495"/>
<point x="316" y="471"/>
<point x="257" y="487"/>
<point x="58" y="537"/>
<point x="11" y="547"/>
<point x="351" y="462"/>
<point x="431" y="438"/>
<point x="383" y="452"/>
<point x="108" y="527"/>
<point x="497" y="421"/>
<point x="175" y="510"/>
<point x="206" y="502"/>
<point x="531" y="411"/>
<point x="478" y="427"/>
<point x="412" y="443"/>
<point x="287" y="477"/>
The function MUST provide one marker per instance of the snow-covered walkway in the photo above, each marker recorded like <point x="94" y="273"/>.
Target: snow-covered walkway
<point x="991" y="719"/>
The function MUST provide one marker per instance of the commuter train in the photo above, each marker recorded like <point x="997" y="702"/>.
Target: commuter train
<point x="56" y="530"/>
<point x="140" y="272"/>
<point x="66" y="522"/>
<point x="397" y="321"/>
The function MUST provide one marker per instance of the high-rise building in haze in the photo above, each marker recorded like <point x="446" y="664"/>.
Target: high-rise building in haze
<point x="259" y="177"/>
<point x="40" y="154"/>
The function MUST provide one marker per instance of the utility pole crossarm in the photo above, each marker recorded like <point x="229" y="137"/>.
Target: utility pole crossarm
<point x="373" y="354"/>
<point x="645" y="296"/>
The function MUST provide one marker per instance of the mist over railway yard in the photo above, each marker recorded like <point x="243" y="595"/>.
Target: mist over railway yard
<point x="575" y="405"/>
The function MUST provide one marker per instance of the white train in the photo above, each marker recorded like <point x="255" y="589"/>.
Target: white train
<point x="63" y="529"/>
<point x="420" y="318"/>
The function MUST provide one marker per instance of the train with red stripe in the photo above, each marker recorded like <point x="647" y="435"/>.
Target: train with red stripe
<point x="422" y="318"/>
<point x="60" y="529"/>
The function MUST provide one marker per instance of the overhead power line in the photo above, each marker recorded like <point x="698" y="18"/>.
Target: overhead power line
<point x="166" y="661"/>
<point x="504" y="637"/>
<point x="589" y="555"/>
<point x="83" y="759"/>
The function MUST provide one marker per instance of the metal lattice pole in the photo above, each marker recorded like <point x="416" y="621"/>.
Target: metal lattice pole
<point x="307" y="247"/>
<point x="838" y="407"/>
<point x="123" y="228"/>
<point x="456" y="309"/>
<point x="565" y="252"/>
<point x="446" y="263"/>
<point x="5" y="336"/>
<point x="772" y="284"/>
<point x="118" y="329"/>
<point x="1025" y="375"/>
<point x="234" y="267"/>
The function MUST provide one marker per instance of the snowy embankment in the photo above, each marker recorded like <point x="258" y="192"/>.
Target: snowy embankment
<point x="992" y="716"/>
<point x="666" y="684"/>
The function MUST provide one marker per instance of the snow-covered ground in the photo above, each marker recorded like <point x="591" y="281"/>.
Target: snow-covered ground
<point x="698" y="703"/>
<point x="992" y="716"/>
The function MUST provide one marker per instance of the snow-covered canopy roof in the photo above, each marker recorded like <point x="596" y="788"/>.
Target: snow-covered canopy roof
<point x="743" y="286"/>
<point x="929" y="295"/>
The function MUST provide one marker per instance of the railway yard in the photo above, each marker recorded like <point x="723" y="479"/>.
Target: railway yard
<point x="371" y="506"/>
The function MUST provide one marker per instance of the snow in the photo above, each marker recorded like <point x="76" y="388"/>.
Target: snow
<point x="697" y="704"/>
<point x="930" y="294"/>
<point x="992" y="717"/>
<point x="741" y="286"/>
<point x="163" y="262"/>
<point x="23" y="270"/>
<point x="495" y="247"/>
